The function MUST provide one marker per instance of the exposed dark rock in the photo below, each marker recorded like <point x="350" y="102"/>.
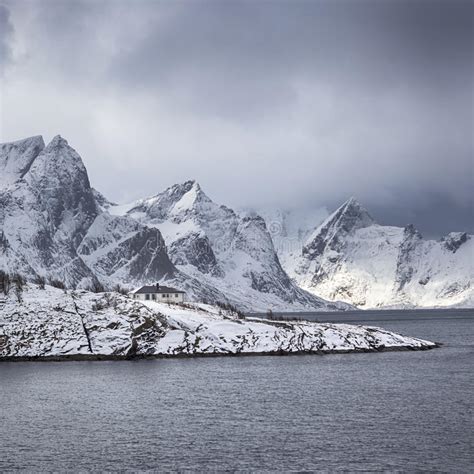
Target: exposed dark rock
<point x="195" y="249"/>
<point x="454" y="240"/>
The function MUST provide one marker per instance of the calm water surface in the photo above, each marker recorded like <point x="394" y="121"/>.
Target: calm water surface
<point x="407" y="411"/>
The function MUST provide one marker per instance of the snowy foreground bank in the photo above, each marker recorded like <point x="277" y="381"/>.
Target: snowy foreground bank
<point x="50" y="323"/>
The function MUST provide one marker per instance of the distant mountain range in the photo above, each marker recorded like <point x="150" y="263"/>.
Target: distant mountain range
<point x="350" y="257"/>
<point x="54" y="224"/>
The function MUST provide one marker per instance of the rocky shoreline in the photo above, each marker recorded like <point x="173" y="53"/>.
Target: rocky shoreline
<point x="104" y="357"/>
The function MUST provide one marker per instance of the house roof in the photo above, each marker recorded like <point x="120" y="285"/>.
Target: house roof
<point x="160" y="289"/>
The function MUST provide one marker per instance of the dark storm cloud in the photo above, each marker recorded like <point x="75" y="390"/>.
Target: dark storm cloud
<point x="297" y="102"/>
<point x="243" y="56"/>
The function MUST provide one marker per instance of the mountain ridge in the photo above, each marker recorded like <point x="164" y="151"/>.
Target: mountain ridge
<point x="54" y="224"/>
<point x="215" y="244"/>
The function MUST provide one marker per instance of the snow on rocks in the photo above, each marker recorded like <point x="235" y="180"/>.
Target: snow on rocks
<point x="51" y="323"/>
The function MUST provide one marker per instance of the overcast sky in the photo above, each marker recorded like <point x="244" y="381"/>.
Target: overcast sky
<point x="265" y="103"/>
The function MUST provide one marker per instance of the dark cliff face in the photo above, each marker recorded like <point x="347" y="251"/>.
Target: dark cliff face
<point x="195" y="249"/>
<point x="349" y="217"/>
<point x="147" y="254"/>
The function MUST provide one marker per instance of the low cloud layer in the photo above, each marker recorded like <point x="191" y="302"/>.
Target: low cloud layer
<point x="288" y="104"/>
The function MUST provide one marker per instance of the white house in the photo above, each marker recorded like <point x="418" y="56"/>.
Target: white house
<point x="159" y="293"/>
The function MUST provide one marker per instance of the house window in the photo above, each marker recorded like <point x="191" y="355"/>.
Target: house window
<point x="176" y="295"/>
<point x="153" y="296"/>
<point x="147" y="296"/>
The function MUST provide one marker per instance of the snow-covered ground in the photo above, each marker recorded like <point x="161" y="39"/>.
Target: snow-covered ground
<point x="42" y="323"/>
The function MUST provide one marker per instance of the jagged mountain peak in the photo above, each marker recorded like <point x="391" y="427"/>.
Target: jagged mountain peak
<point x="351" y="201"/>
<point x="350" y="213"/>
<point x="59" y="147"/>
<point x="190" y="194"/>
<point x="179" y="189"/>
<point x="188" y="185"/>
<point x="177" y="202"/>
<point x="57" y="141"/>
<point x="348" y="217"/>
<point x="59" y="159"/>
<point x="31" y="155"/>
<point x="59" y="180"/>
<point x="345" y="220"/>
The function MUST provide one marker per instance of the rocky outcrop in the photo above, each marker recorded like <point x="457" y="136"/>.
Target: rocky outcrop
<point x="195" y="249"/>
<point x="454" y="240"/>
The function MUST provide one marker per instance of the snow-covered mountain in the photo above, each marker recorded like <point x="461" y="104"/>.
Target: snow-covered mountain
<point x="53" y="224"/>
<point x="350" y="257"/>
<point x="221" y="248"/>
<point x="46" y="208"/>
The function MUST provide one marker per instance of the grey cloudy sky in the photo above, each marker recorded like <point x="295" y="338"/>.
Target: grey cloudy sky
<point x="266" y="103"/>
